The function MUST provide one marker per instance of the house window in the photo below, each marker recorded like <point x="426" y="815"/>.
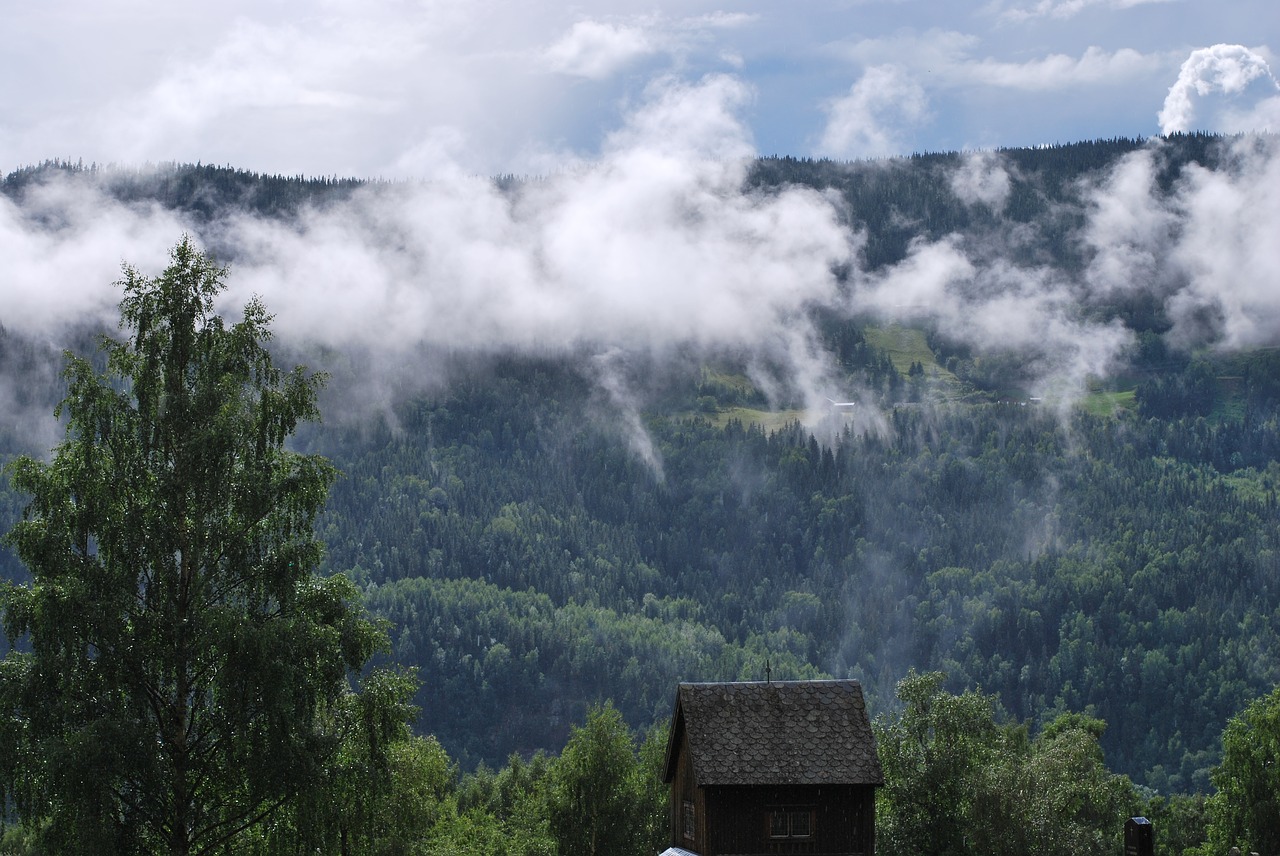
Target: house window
<point x="690" y="821"/>
<point x="790" y="823"/>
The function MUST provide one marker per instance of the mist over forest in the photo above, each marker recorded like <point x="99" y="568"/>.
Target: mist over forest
<point x="683" y="411"/>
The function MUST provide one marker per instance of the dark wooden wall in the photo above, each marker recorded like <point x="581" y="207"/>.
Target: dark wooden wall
<point x="685" y="789"/>
<point x="737" y="820"/>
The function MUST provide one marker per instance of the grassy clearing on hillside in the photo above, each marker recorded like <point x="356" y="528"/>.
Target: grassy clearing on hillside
<point x="1106" y="402"/>
<point x="768" y="420"/>
<point x="907" y="345"/>
<point x="739" y="382"/>
<point x="1230" y="402"/>
<point x="904" y="345"/>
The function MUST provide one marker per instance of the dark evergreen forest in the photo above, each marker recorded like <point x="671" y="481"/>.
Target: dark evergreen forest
<point x="1118" y="560"/>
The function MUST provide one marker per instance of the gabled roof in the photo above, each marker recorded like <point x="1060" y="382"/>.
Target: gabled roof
<point x="775" y="733"/>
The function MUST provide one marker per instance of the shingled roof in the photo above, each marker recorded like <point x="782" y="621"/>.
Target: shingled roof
<point x="775" y="733"/>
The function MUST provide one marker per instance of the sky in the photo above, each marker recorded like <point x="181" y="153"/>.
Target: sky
<point x="406" y="89"/>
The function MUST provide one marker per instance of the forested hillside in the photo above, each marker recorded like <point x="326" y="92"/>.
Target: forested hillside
<point x="1122" y="565"/>
<point x="542" y="542"/>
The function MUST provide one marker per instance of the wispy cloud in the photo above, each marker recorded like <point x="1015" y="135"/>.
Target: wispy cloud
<point x="982" y="179"/>
<point x="1205" y="250"/>
<point x="1129" y="228"/>
<point x="1227" y="252"/>
<point x="997" y="306"/>
<point x="596" y="49"/>
<point x="59" y="277"/>
<point x="875" y="118"/>
<point x="655" y="242"/>
<point x="371" y="88"/>
<point x="1064" y="9"/>
<point x="301" y="92"/>
<point x="655" y="246"/>
<point x="948" y="59"/>
<point x="1057" y="71"/>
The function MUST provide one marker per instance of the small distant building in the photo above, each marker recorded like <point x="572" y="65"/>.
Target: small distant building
<point x="842" y="406"/>
<point x="781" y="767"/>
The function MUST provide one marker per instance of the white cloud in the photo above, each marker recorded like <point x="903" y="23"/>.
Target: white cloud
<point x="981" y="179"/>
<point x="359" y="88"/>
<point x="596" y="49"/>
<point x="947" y="59"/>
<point x="1227" y="249"/>
<point x="926" y="278"/>
<point x="876" y="117"/>
<point x="653" y="243"/>
<point x="64" y="246"/>
<point x="934" y="50"/>
<point x="257" y="68"/>
<point x="1205" y="249"/>
<point x="693" y="121"/>
<point x="720" y="20"/>
<point x="1225" y="69"/>
<point x="997" y="306"/>
<point x="1262" y="116"/>
<point x="1058" y="71"/>
<point x="284" y="96"/>
<point x="1064" y="9"/>
<point x="1129" y="227"/>
<point x="338" y="88"/>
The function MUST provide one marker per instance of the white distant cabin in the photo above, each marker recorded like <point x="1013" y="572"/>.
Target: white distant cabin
<point x="842" y="406"/>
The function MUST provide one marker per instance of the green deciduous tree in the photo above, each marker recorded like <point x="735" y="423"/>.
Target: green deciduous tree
<point x="183" y="663"/>
<point x="601" y="799"/>
<point x="386" y="789"/>
<point x="959" y="781"/>
<point x="1245" y="811"/>
<point x="937" y="753"/>
<point x="1072" y="803"/>
<point x="1180" y="822"/>
<point x="501" y="814"/>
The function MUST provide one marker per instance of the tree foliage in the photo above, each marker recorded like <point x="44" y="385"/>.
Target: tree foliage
<point x="601" y="800"/>
<point x="1117" y="564"/>
<point x="1245" y="811"/>
<point x="183" y="661"/>
<point x="960" y="781"/>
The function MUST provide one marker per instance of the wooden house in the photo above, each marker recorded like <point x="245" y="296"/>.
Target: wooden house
<point x="785" y="767"/>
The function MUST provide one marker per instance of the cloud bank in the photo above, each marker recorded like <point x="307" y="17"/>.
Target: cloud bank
<point x="657" y="247"/>
<point x="651" y="246"/>
<point x="653" y="243"/>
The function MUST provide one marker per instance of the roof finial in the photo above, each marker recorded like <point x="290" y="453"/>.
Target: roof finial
<point x="768" y="672"/>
